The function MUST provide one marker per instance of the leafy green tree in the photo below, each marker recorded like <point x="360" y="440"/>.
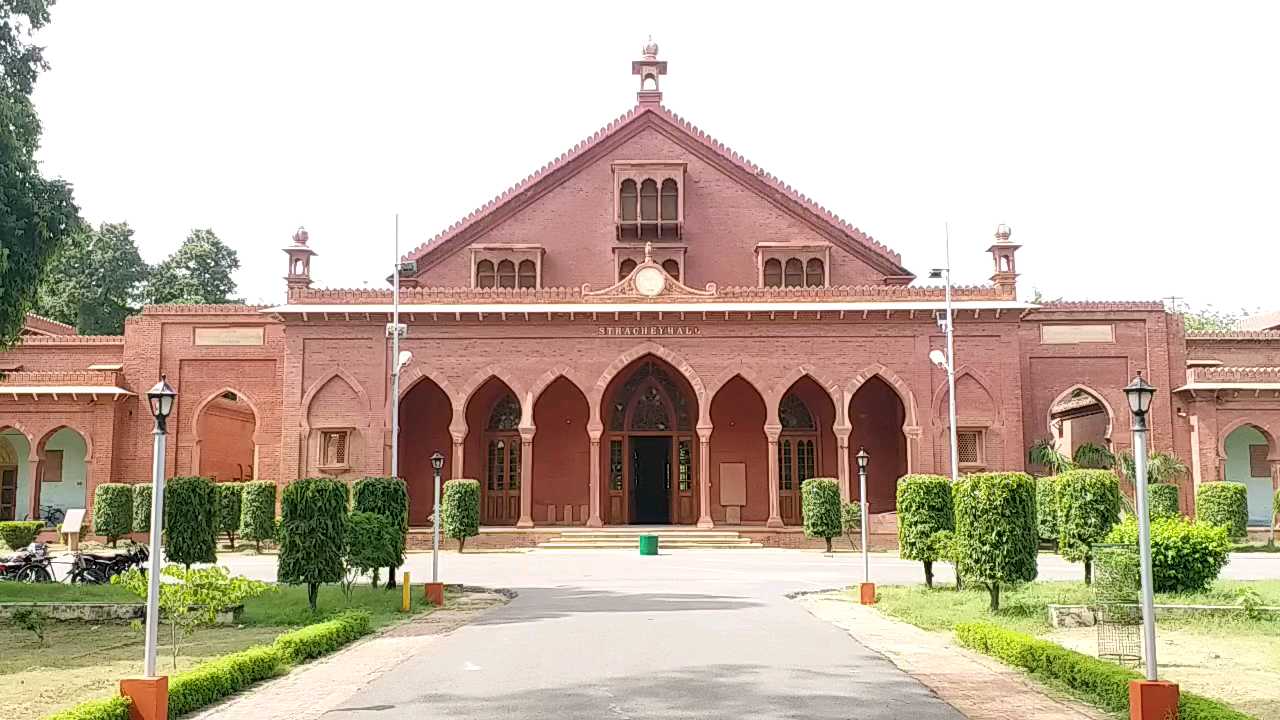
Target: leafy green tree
<point x="230" y="497"/>
<point x="996" y="530"/>
<point x="1088" y="507"/>
<point x="193" y="598"/>
<point x="258" y="512"/>
<point x="460" y="510"/>
<point x="924" y="509"/>
<point x="388" y="497"/>
<point x="36" y="214"/>
<point x="190" y="520"/>
<point x="1208" y="319"/>
<point x="820" y="506"/>
<point x="1093" y="456"/>
<point x="372" y="541"/>
<point x="113" y="511"/>
<point x="95" y="280"/>
<point x="1225" y="504"/>
<point x="199" y="273"/>
<point x="313" y="529"/>
<point x="1045" y="454"/>
<point x="851" y="522"/>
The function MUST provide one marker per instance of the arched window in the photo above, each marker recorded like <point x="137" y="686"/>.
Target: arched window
<point x="627" y="201"/>
<point x="650" y="411"/>
<point x="670" y="201"/>
<point x="506" y="274"/>
<point x="527" y="275"/>
<point x="797" y="453"/>
<point x="773" y="273"/>
<point x="648" y="200"/>
<point x="813" y="273"/>
<point x="625" y="268"/>
<point x="672" y="267"/>
<point x="794" y="275"/>
<point x="505" y="414"/>
<point x="794" y="414"/>
<point x="484" y="274"/>
<point x="502" y="462"/>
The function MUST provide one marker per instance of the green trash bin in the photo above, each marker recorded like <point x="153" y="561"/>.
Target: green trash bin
<point x="648" y="544"/>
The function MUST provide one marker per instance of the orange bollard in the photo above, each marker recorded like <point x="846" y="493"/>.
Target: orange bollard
<point x="435" y="593"/>
<point x="149" y="696"/>
<point x="1153" y="700"/>
<point x="867" y="593"/>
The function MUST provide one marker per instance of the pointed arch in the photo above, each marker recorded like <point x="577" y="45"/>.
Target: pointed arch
<point x="38" y="447"/>
<point x="940" y="394"/>
<point x="468" y="389"/>
<point x="197" y="439"/>
<point x="415" y="373"/>
<point x="672" y="358"/>
<point x="545" y="379"/>
<point x="318" y="385"/>
<point x="1273" y="448"/>
<point x="752" y="377"/>
<point x="899" y="385"/>
<point x="821" y="379"/>
<point x="1102" y="399"/>
<point x="21" y="429"/>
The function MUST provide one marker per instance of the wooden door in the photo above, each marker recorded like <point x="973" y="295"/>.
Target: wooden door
<point x="651" y="480"/>
<point x="797" y="462"/>
<point x="8" y="493"/>
<point x="502" y="480"/>
<point x="685" y="500"/>
<point x="616" y="484"/>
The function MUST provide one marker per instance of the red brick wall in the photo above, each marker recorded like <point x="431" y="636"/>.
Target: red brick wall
<point x="561" y="451"/>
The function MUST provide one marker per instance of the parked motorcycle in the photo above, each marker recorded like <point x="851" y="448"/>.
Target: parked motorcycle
<point x="30" y="564"/>
<point x="96" y="569"/>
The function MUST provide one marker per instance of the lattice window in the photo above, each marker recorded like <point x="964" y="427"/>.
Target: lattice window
<point x="625" y="268"/>
<point x="806" y="460"/>
<point x="627" y="201"/>
<point x="497" y="464"/>
<point x="505" y="414"/>
<point x="685" y="460"/>
<point x="969" y="447"/>
<point x="793" y="276"/>
<point x="333" y="448"/>
<point x="794" y="414"/>
<point x="814" y="275"/>
<point x="655" y="372"/>
<point x="672" y="267"/>
<point x="785" y="477"/>
<point x="506" y="274"/>
<point x="650" y="412"/>
<point x="485" y="276"/>
<point x="670" y="201"/>
<point x="513" y="465"/>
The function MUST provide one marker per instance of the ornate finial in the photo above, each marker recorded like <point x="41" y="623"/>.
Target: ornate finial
<point x="1002" y="233"/>
<point x="648" y="252"/>
<point x="650" y="49"/>
<point x="300" y="237"/>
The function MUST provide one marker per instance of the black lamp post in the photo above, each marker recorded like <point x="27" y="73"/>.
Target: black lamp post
<point x="437" y="463"/>
<point x="161" y="398"/>
<point x="868" y="589"/>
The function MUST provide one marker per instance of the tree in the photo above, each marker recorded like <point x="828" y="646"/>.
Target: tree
<point x="460" y="510"/>
<point x="820" y="506"/>
<point x="313" y="529"/>
<point x="190" y="520"/>
<point x="95" y="280"/>
<point x="1088" y="507"/>
<point x="388" y="497"/>
<point x="372" y="541"/>
<point x="36" y="214"/>
<point x="230" y="497"/>
<point x="1045" y="454"/>
<point x="924" y="509"/>
<point x="258" y="512"/>
<point x="113" y="511"/>
<point x="1207" y="319"/>
<point x="996" y="530"/>
<point x="199" y="273"/>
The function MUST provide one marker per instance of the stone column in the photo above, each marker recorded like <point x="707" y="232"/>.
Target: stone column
<point x="842" y="452"/>
<point x="526" y="478"/>
<point x="33" y="470"/>
<point x="704" y="476"/>
<point x="771" y="433"/>
<point x="593" y="513"/>
<point x="459" y="453"/>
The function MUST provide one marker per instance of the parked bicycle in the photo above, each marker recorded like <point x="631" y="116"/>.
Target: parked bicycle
<point x="52" y="515"/>
<point x="30" y="564"/>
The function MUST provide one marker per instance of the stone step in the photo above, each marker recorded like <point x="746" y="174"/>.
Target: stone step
<point x="569" y="545"/>
<point x="628" y="538"/>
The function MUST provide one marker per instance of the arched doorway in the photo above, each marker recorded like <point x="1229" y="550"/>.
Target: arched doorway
<point x="1248" y="449"/>
<point x="739" y="455"/>
<point x="1080" y="425"/>
<point x="493" y="447"/>
<point x="807" y="444"/>
<point x="425" y="414"/>
<point x="561" y="455"/>
<point x="225" y="431"/>
<point x="14" y="481"/>
<point x="649" y="416"/>
<point x="62" y="474"/>
<point x="877" y="416"/>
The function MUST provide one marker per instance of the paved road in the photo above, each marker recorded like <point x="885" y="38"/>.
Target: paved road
<point x="690" y="634"/>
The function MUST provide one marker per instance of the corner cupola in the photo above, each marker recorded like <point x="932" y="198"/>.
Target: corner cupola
<point x="1002" y="254"/>
<point x="649" y="68"/>
<point x="299" y="276"/>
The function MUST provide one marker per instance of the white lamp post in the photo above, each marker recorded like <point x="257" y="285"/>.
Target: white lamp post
<point x="948" y="359"/>
<point x="161" y="398"/>
<point x="437" y="462"/>
<point x="868" y="589"/>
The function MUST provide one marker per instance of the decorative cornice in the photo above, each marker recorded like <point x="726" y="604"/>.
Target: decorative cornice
<point x="1233" y="335"/>
<point x="45" y="326"/>
<point x="1226" y="373"/>
<point x="71" y="340"/>
<point x="45" y="378"/>
<point x="222" y="309"/>
<point x="1096" y="305"/>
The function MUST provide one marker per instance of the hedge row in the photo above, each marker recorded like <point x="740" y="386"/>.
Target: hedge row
<point x="1162" y="500"/>
<point x="18" y="534"/>
<point x="211" y="681"/>
<point x="1100" y="681"/>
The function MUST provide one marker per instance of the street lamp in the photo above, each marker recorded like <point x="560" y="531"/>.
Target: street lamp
<point x="435" y="591"/>
<point x="161" y="398"/>
<point x="1151" y="693"/>
<point x="868" y="589"/>
<point x="948" y="359"/>
<point x="395" y="331"/>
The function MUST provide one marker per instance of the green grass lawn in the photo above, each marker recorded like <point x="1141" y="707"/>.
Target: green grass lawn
<point x="82" y="661"/>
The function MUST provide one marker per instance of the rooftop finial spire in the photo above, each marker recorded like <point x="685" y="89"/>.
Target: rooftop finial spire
<point x="649" y="68"/>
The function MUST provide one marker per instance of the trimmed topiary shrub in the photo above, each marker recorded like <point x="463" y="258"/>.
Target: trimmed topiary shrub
<point x="1047" y="509"/>
<point x="924" y="509"/>
<point x="1088" y="507"/>
<point x="1185" y="556"/>
<point x="323" y="638"/>
<point x="18" y="534"/>
<point x="388" y="497"/>
<point x="820" y="505"/>
<point x="372" y="542"/>
<point x="142" y="508"/>
<point x="460" y="510"/>
<point x="851" y="522"/>
<point x="258" y="512"/>
<point x="230" y="497"/>
<point x="313" y="526"/>
<point x="190" y="520"/>
<point x="1225" y="504"/>
<point x="996" y="530"/>
<point x="113" y="511"/>
<point x="946" y="546"/>
<point x="1162" y="500"/>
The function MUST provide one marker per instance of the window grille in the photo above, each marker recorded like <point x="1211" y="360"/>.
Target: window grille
<point x="969" y="446"/>
<point x="333" y="448"/>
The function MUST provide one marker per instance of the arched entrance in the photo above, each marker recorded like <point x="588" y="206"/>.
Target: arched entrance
<point x="739" y="455"/>
<point x="62" y="474"/>
<point x="650" y="449"/>
<point x="1080" y="424"/>
<point x="877" y="416"/>
<point x="806" y="445"/>
<point x="1248" y="452"/>
<point x="14" y="485"/>
<point x="225" y="428"/>
<point x="561" y="455"/>
<point x="425" y="414"/>
<point x="493" y="447"/>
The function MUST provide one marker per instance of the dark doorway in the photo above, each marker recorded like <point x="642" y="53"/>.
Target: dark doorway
<point x="651" y="480"/>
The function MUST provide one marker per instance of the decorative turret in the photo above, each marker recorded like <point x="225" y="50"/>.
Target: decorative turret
<point x="299" y="276"/>
<point x="649" y="68"/>
<point x="1002" y="254"/>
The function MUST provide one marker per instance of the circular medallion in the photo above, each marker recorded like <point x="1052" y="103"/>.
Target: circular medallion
<point x="650" y="281"/>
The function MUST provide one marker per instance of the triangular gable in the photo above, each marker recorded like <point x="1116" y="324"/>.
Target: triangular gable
<point x="478" y="222"/>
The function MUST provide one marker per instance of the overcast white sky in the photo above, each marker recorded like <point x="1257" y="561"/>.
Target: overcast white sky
<point x="1134" y="148"/>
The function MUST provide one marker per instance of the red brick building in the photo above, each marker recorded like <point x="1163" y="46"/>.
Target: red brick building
<point x="650" y="329"/>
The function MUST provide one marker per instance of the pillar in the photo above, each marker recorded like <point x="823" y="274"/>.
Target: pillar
<point x="526" y="477"/>
<point x="771" y="433"/>
<point x="459" y="452"/>
<point x="842" y="454"/>
<point x="593" y="517"/>
<point x="704" y="476"/>
<point x="35" y="471"/>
